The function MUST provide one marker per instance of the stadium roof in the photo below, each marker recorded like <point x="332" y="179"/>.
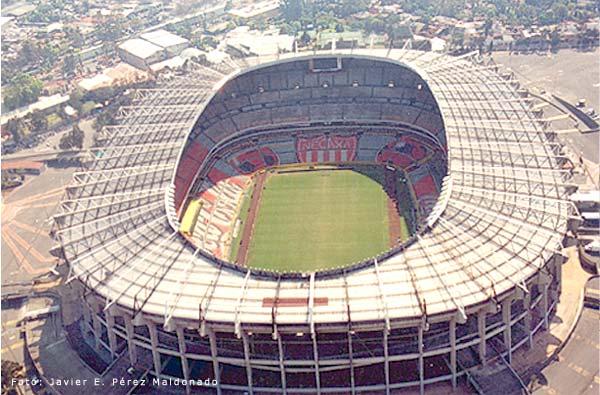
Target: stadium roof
<point x="119" y="74"/>
<point x="502" y="214"/>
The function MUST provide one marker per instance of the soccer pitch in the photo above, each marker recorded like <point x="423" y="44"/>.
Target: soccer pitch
<point x="319" y="219"/>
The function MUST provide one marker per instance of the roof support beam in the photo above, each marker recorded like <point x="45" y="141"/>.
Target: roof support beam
<point x="98" y="264"/>
<point x="463" y="237"/>
<point x="111" y="300"/>
<point x="382" y="295"/>
<point x="311" y="304"/>
<point x="170" y="305"/>
<point x="450" y="291"/>
<point x="238" y="304"/>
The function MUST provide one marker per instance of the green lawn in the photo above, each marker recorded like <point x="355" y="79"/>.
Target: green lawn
<point x="319" y="219"/>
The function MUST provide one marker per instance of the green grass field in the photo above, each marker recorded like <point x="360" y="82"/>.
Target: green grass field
<point x="319" y="219"/>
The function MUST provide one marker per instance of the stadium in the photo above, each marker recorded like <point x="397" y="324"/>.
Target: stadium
<point x="325" y="222"/>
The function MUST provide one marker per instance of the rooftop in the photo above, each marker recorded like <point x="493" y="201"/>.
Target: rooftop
<point x="98" y="81"/>
<point x="172" y="63"/>
<point x="44" y="103"/>
<point x="255" y="9"/>
<point x="18" y="9"/>
<point x="141" y="48"/>
<point x="22" y="164"/>
<point x="216" y="56"/>
<point x="254" y="42"/>
<point x="122" y="72"/>
<point x="163" y="38"/>
<point x="191" y="52"/>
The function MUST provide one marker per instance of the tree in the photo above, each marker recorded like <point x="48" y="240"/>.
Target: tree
<point x="183" y="30"/>
<point x="291" y="9"/>
<point x="305" y="38"/>
<point x="560" y="12"/>
<point x="107" y="48"/>
<point x="39" y="122"/>
<point x="184" y="8"/>
<point x="104" y="118"/>
<point x="31" y="53"/>
<point x="76" y="99"/>
<point x="285" y="28"/>
<point x="24" y="90"/>
<point x="487" y="27"/>
<point x="345" y="8"/>
<point x="47" y="12"/>
<point x="72" y="139"/>
<point x="84" y="7"/>
<point x="69" y="64"/>
<point x="10" y="371"/>
<point x="111" y="29"/>
<point x="554" y="39"/>
<point x="75" y="37"/>
<point x="16" y="128"/>
<point x="209" y="41"/>
<point x="102" y="94"/>
<point x="49" y="55"/>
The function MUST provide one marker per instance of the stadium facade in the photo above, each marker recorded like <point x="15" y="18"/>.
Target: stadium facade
<point x="479" y="278"/>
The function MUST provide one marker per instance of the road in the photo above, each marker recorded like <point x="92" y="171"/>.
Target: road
<point x="569" y="74"/>
<point x="26" y="214"/>
<point x="576" y="371"/>
<point x="26" y="222"/>
<point x="49" y="148"/>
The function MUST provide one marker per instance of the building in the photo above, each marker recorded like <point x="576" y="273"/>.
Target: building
<point x="45" y="105"/>
<point x="141" y="53"/>
<point x="216" y="57"/>
<point x="53" y="28"/>
<point x="255" y="11"/>
<point x="98" y="81"/>
<point x="172" y="64"/>
<point x="245" y="42"/>
<point x="217" y="28"/>
<point x="348" y="39"/>
<point x="121" y="74"/>
<point x="90" y="53"/>
<point x="171" y="43"/>
<point x="480" y="279"/>
<point x="152" y="47"/>
<point x="402" y="34"/>
<point x="438" y="44"/>
<point x="23" y="167"/>
<point x="18" y="9"/>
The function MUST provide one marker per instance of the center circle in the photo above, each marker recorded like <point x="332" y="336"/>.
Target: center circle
<point x="310" y="165"/>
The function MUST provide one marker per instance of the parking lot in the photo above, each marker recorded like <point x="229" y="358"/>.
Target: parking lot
<point x="570" y="74"/>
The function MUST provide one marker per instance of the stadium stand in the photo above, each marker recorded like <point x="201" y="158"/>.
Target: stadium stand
<point x="484" y="269"/>
<point x="402" y="149"/>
